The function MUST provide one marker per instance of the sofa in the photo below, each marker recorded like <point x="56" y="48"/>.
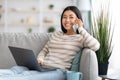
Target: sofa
<point x="35" y="41"/>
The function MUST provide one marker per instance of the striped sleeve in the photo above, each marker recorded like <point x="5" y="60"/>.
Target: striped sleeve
<point x="43" y="53"/>
<point x="89" y="40"/>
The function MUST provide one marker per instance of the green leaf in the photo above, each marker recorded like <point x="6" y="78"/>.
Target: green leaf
<point x="101" y="26"/>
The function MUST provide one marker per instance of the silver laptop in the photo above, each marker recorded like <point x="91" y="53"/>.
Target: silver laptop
<point x="26" y="57"/>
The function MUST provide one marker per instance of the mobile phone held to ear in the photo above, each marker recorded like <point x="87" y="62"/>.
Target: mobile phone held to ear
<point x="75" y="27"/>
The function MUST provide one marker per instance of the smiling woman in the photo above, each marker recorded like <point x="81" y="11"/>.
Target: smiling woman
<point x="53" y="55"/>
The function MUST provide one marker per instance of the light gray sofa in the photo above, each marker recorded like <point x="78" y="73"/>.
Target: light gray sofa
<point x="35" y="42"/>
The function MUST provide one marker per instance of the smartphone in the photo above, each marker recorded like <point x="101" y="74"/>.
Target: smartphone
<point x="75" y="27"/>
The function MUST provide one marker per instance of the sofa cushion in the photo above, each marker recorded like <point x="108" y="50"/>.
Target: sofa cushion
<point x="76" y="62"/>
<point x="32" y="41"/>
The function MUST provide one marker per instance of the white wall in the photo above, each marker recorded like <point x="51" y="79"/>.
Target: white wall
<point x="17" y="13"/>
<point x="115" y="11"/>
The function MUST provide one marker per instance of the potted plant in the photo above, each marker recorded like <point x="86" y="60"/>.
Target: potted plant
<point x="29" y="30"/>
<point x="102" y="32"/>
<point x="51" y="6"/>
<point x="51" y="29"/>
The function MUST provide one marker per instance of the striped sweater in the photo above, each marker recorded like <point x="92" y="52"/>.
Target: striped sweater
<point x="60" y="50"/>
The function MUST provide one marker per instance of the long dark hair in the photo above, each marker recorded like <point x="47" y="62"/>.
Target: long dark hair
<point x="76" y="11"/>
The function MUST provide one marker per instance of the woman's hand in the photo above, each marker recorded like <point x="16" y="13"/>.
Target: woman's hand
<point x="79" y="22"/>
<point x="40" y="61"/>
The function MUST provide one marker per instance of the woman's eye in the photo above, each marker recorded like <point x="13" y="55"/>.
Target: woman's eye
<point x="64" y="17"/>
<point x="71" y="17"/>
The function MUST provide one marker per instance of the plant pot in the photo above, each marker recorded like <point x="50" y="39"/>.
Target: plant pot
<point x="103" y="68"/>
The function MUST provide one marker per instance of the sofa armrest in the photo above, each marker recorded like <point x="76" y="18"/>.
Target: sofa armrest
<point x="89" y="65"/>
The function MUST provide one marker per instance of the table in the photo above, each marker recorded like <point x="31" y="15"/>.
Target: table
<point x="110" y="76"/>
<point x="106" y="77"/>
<point x="113" y="74"/>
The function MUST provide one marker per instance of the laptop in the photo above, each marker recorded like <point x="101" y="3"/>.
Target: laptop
<point x="26" y="57"/>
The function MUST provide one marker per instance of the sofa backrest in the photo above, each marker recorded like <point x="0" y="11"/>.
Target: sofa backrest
<point x="33" y="41"/>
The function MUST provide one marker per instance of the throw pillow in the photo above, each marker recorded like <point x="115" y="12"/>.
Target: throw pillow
<point x="76" y="62"/>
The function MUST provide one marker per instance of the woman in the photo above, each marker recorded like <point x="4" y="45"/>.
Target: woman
<point x="63" y="45"/>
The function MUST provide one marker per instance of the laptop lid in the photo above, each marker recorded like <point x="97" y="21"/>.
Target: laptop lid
<point x="25" y="57"/>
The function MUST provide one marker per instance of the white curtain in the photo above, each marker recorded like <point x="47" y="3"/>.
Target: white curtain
<point x="115" y="14"/>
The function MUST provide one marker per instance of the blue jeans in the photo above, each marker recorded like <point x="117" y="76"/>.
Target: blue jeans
<point x="23" y="73"/>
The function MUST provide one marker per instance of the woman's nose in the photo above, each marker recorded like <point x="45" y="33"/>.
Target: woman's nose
<point x="67" y="19"/>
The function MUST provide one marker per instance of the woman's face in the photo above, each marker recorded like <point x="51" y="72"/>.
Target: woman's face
<point x="68" y="19"/>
